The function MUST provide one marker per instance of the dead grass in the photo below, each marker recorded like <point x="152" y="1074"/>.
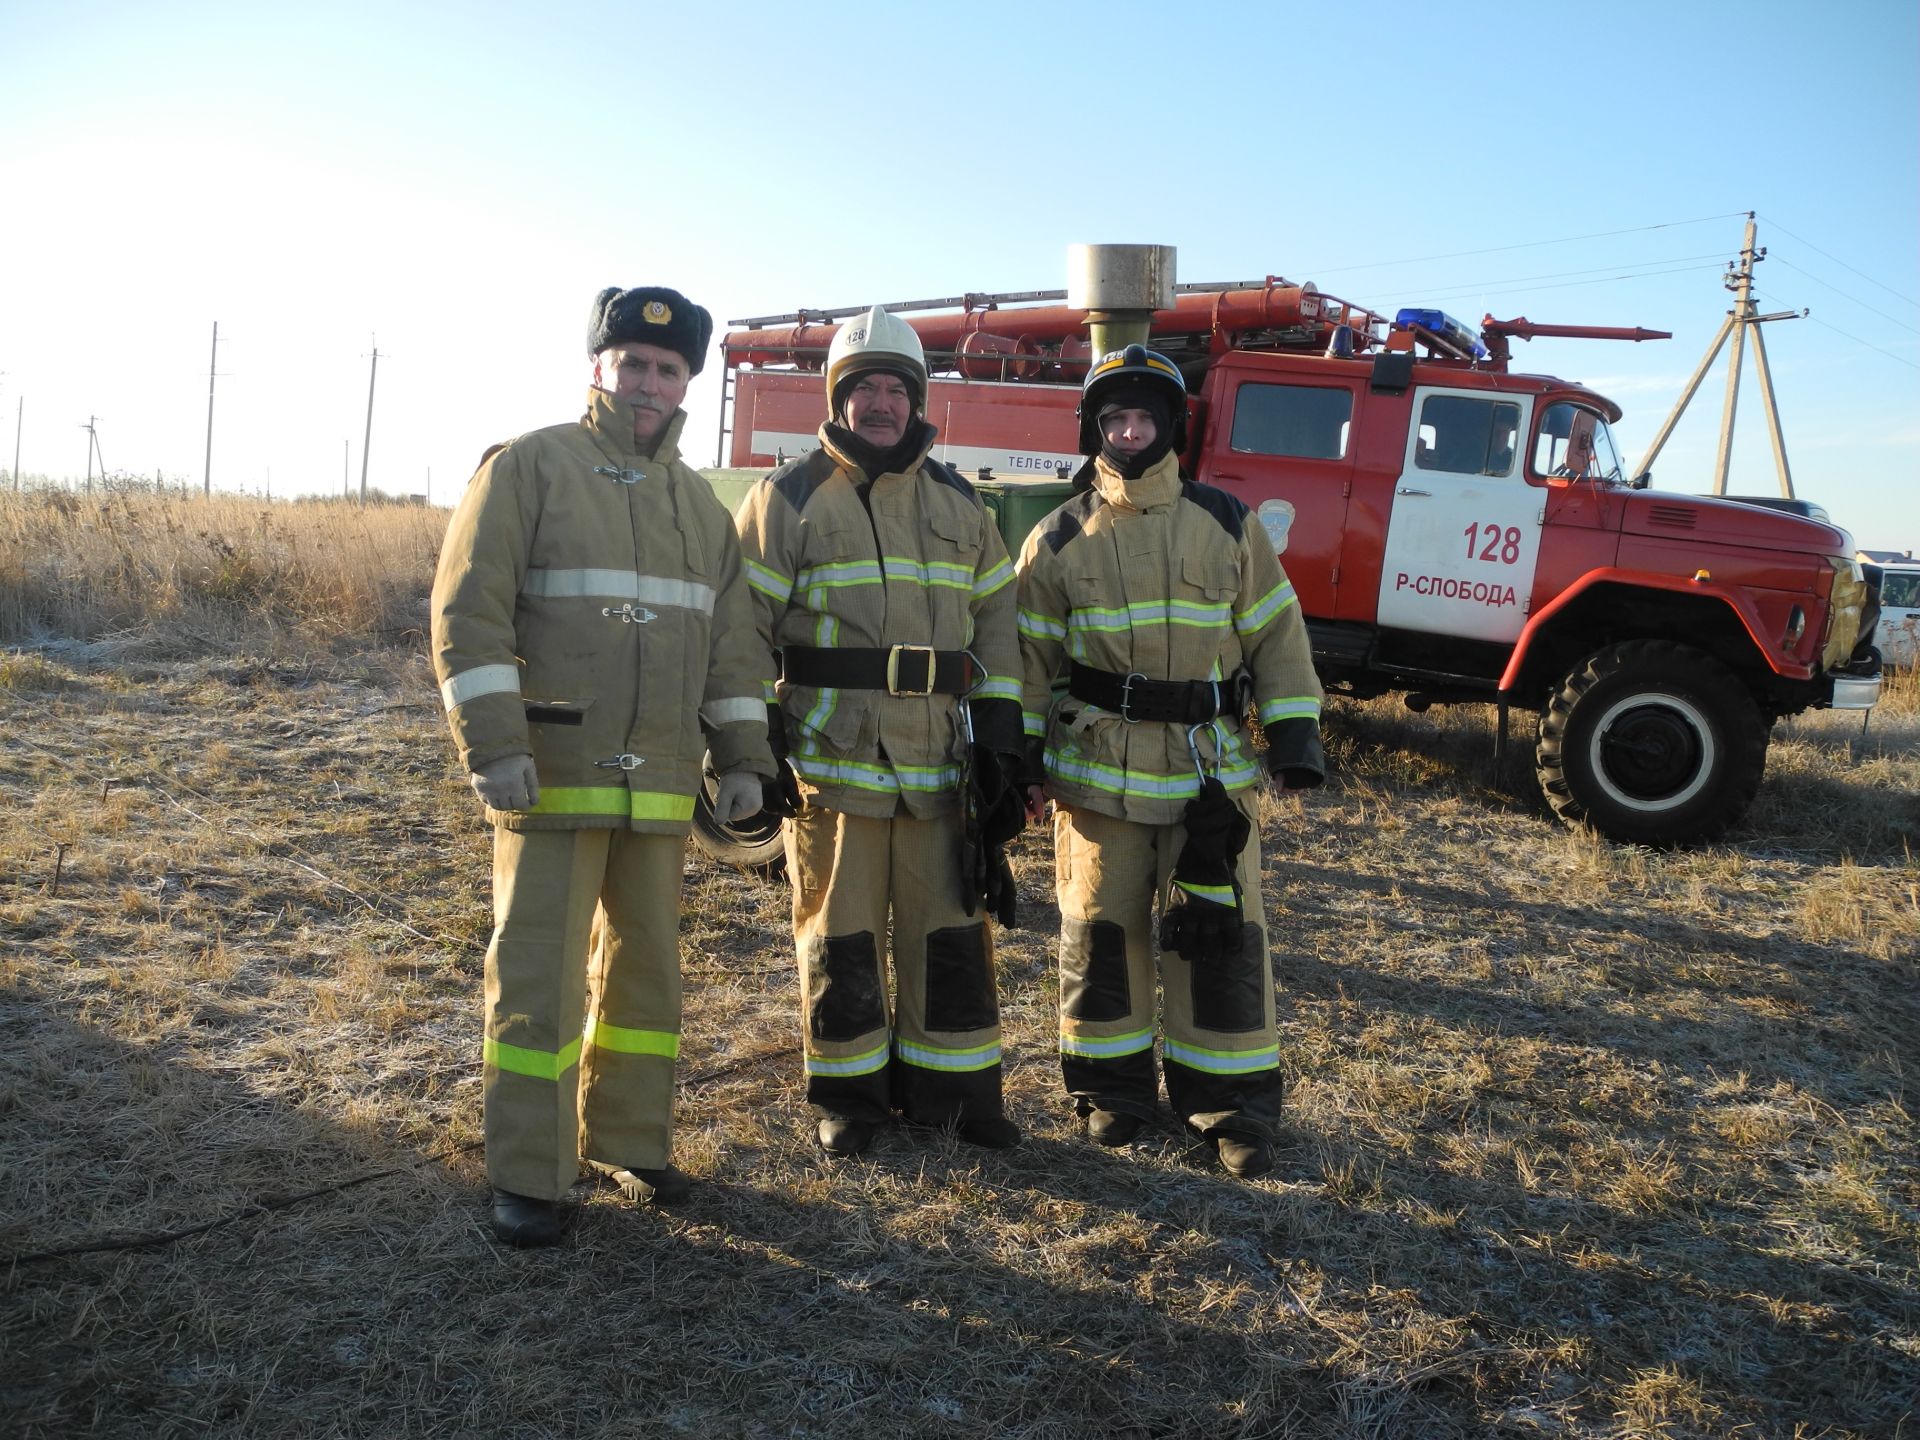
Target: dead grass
<point x="1586" y="1141"/>
<point x="127" y="571"/>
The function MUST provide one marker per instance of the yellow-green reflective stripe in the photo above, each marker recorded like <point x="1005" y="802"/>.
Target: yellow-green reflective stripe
<point x="657" y="805"/>
<point x="768" y="582"/>
<point x="1236" y="773"/>
<point x="602" y="1036"/>
<point x="1224" y="1062"/>
<point x="1290" y="707"/>
<point x="935" y="1057"/>
<point x="1268" y="606"/>
<point x="1105" y="1047"/>
<point x="612" y="800"/>
<point x="853" y="1065"/>
<point x="1036" y="626"/>
<point x="993" y="579"/>
<point x="540" y="1064"/>
<point x="1219" y="894"/>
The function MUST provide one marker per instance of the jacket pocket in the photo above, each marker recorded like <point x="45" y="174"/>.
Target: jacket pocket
<point x="959" y="535"/>
<point x="1215" y="579"/>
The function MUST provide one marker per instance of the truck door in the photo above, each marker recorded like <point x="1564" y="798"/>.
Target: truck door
<point x="1464" y="534"/>
<point x="1286" y="449"/>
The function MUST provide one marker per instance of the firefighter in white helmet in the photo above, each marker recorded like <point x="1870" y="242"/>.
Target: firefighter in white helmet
<point x="884" y="588"/>
<point x="1153" y="615"/>
<point x="593" y="635"/>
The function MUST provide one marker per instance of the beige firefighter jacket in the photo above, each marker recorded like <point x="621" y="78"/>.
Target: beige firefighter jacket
<point x="1168" y="580"/>
<point x="921" y="563"/>
<point x="590" y="610"/>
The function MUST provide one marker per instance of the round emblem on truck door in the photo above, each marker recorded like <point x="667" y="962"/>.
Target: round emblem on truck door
<point x="1277" y="517"/>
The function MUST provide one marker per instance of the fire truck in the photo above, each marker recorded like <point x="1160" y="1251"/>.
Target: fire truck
<point x="1457" y="531"/>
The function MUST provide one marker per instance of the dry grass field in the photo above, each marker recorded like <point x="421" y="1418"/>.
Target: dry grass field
<point x="1585" y="1141"/>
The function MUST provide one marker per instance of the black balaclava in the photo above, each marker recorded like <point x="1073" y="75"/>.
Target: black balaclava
<point x="1153" y="400"/>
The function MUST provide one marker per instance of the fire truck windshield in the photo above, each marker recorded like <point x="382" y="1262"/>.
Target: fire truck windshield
<point x="1575" y="443"/>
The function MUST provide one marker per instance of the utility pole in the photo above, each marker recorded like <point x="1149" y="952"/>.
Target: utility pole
<point x="372" y="372"/>
<point x="93" y="448"/>
<point x="19" y="415"/>
<point x="1740" y="319"/>
<point x="206" y="477"/>
<point x="345" y="489"/>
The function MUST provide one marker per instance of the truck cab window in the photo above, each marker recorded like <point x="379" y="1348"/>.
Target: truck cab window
<point x="1466" y="436"/>
<point x="1575" y="443"/>
<point x="1304" y="420"/>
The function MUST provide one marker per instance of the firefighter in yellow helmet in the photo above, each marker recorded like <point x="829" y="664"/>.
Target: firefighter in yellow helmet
<point x="592" y="636"/>
<point x="883" y="586"/>
<point x="1158" y="608"/>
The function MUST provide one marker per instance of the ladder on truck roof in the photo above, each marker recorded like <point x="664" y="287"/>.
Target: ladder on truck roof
<point x="981" y="300"/>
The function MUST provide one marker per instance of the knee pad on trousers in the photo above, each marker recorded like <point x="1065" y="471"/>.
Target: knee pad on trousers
<point x="1227" y="993"/>
<point x="846" y="1002"/>
<point x="1093" y="970"/>
<point x="960" y="980"/>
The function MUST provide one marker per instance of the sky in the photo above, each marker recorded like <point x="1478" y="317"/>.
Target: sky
<point x="453" y="183"/>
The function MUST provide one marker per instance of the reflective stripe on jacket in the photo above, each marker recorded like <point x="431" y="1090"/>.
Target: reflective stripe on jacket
<point x="590" y="605"/>
<point x="1171" y="581"/>
<point x="920" y="562"/>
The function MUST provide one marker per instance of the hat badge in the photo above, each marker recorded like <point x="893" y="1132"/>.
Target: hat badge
<point x="656" y="312"/>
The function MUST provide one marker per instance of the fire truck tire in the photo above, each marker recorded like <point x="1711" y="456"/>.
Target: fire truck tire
<point x="1651" y="743"/>
<point x="753" y="844"/>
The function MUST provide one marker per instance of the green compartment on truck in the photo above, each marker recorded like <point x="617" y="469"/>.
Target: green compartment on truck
<point x="731" y="486"/>
<point x="1019" y="505"/>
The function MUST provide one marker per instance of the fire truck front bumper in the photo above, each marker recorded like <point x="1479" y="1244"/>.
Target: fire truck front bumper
<point x="1853" y="690"/>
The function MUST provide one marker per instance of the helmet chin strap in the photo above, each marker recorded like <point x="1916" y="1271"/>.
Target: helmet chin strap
<point x="1132" y="467"/>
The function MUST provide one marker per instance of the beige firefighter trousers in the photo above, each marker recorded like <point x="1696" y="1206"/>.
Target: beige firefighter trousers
<point x="1221" y="1046"/>
<point x="580" y="1046"/>
<point x="934" y="1053"/>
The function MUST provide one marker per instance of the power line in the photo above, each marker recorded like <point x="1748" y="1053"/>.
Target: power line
<point x="1899" y="359"/>
<point x="1843" y="295"/>
<point x="1531" y="244"/>
<point x="1518" y="289"/>
<point x="1842" y="264"/>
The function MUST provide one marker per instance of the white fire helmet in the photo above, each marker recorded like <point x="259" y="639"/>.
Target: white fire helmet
<point x="877" y="339"/>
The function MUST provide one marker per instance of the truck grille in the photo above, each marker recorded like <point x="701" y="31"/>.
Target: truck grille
<point x="1680" y="517"/>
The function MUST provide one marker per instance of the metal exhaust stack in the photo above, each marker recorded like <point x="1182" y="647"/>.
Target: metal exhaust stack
<point x="1119" y="286"/>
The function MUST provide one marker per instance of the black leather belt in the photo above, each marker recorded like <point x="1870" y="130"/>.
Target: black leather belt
<point x="898" y="670"/>
<point x="1135" y="698"/>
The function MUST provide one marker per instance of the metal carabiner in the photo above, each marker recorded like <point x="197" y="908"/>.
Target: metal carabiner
<point x="1193" y="748"/>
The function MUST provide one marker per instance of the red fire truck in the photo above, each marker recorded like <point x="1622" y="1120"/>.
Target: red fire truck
<point x="1456" y="530"/>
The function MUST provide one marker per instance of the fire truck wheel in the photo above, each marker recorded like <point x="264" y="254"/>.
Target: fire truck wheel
<point x="1651" y="743"/>
<point x="753" y="844"/>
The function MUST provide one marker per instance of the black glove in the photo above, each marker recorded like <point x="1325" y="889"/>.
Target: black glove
<point x="780" y="795"/>
<point x="1203" y="921"/>
<point x="993" y="815"/>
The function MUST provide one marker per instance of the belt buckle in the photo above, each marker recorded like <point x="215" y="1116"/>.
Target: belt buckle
<point x="893" y="669"/>
<point x="1126" y="696"/>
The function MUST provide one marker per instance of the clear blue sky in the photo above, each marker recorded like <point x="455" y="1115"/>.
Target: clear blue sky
<point x="459" y="179"/>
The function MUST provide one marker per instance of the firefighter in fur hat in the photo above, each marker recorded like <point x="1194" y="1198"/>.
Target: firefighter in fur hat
<point x="1153" y="615"/>
<point x="592" y="636"/>
<point x="882" y="584"/>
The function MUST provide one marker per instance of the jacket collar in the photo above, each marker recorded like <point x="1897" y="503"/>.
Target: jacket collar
<point x="611" y="421"/>
<point x="1159" y="486"/>
<point x="852" y="466"/>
